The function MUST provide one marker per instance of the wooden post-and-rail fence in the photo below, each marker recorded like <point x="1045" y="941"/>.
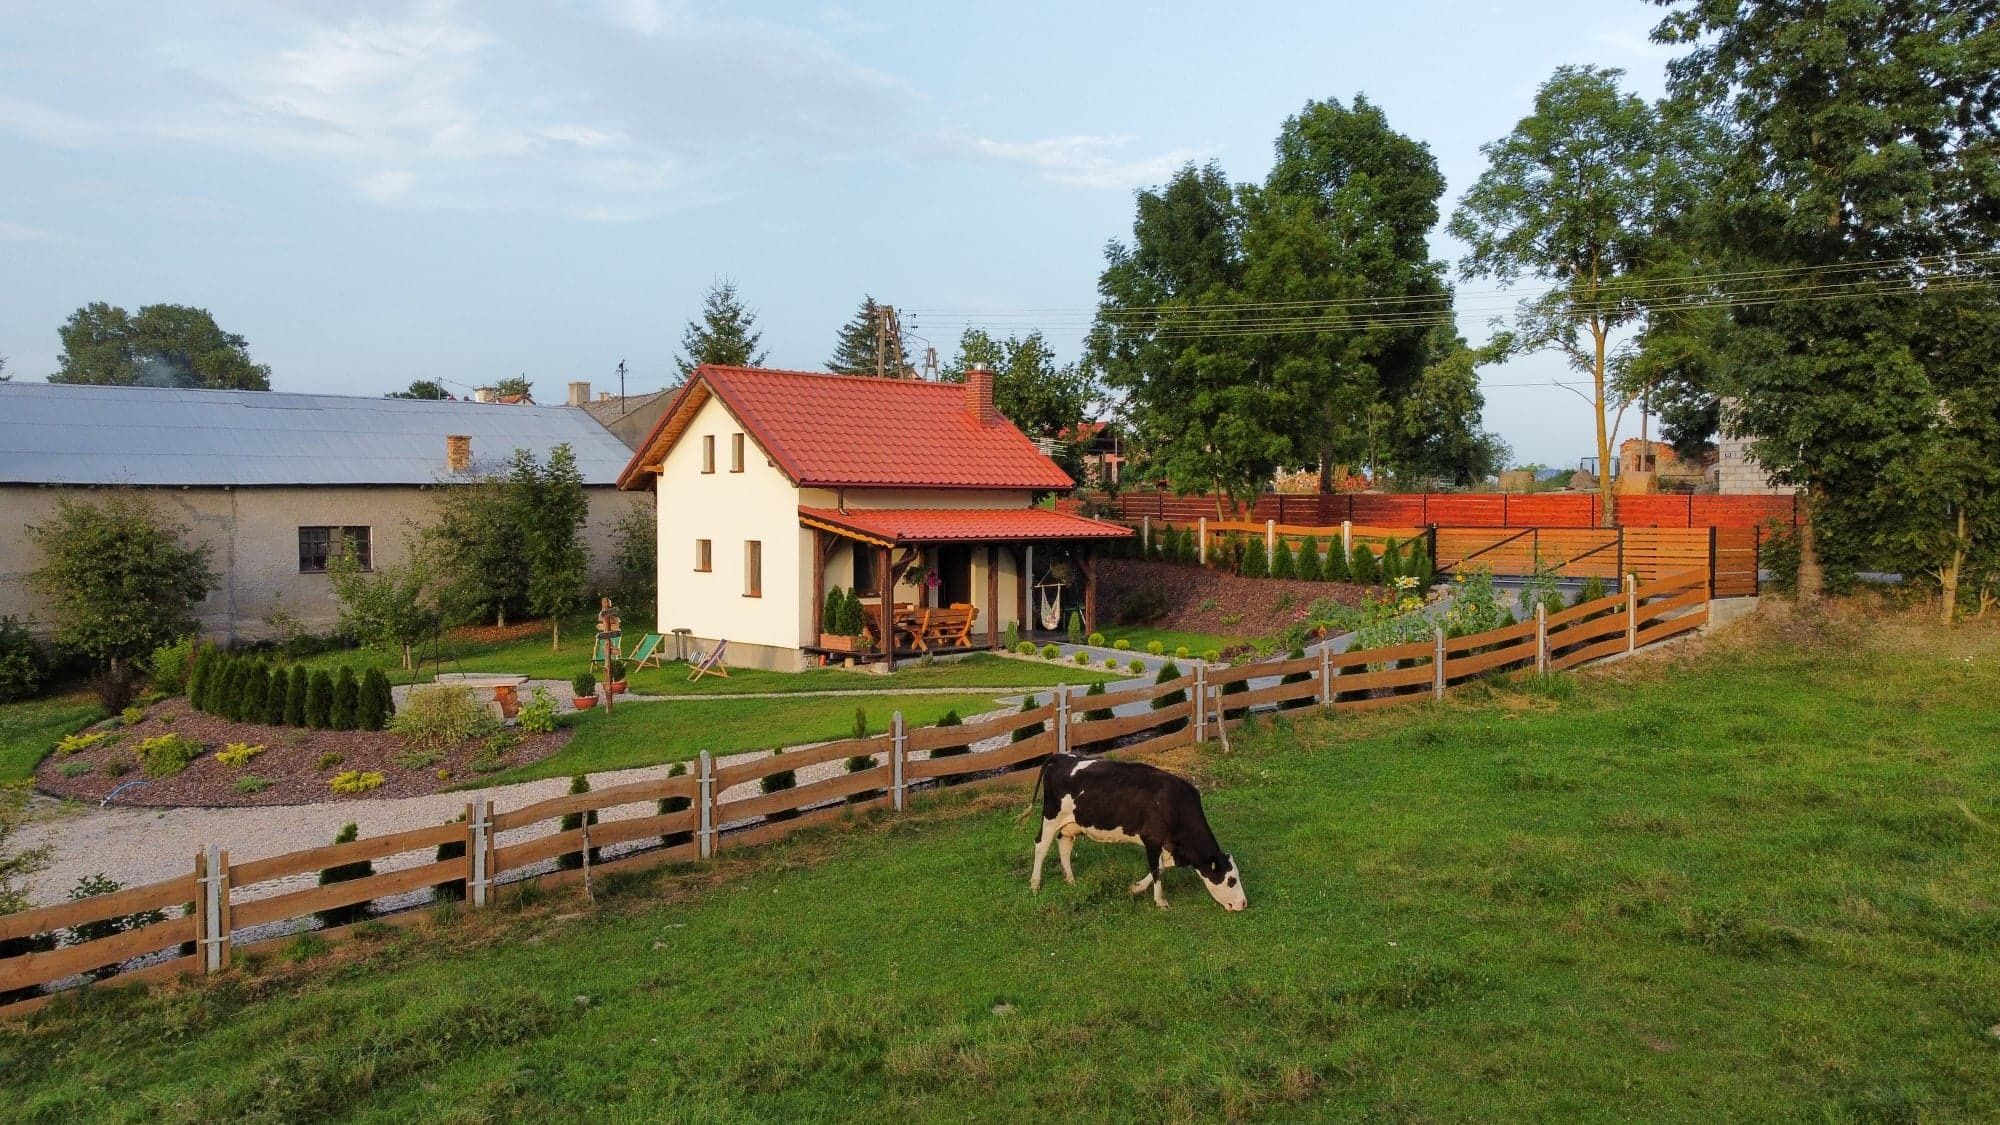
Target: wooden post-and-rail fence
<point x="195" y="923"/>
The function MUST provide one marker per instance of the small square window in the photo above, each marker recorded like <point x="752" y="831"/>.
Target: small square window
<point x="704" y="555"/>
<point x="736" y="453"/>
<point x="708" y="453"/>
<point x="317" y="545"/>
<point x="753" y="569"/>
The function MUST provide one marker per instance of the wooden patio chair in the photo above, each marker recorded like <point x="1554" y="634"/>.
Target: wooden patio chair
<point x="647" y="653"/>
<point x="950" y="627"/>
<point x="711" y="664"/>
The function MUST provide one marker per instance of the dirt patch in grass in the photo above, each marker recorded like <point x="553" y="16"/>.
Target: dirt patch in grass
<point x="295" y="767"/>
<point x="1196" y="599"/>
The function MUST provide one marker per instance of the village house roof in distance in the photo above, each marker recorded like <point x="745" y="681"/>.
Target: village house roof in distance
<point x="158" y="436"/>
<point x="847" y="431"/>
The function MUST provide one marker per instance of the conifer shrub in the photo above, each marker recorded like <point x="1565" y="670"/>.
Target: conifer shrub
<point x="855" y="764"/>
<point x="319" y="700"/>
<point x="377" y="703"/>
<point x="777" y="783"/>
<point x="1298" y="652"/>
<point x="1237" y="687"/>
<point x="276" y="684"/>
<point x="1282" y="563"/>
<point x="670" y="805"/>
<point x="200" y="664"/>
<point x="571" y="861"/>
<point x="829" y="614"/>
<point x="1169" y="672"/>
<point x="1338" y="568"/>
<point x="1255" y="565"/>
<point x="1096" y="715"/>
<point x="951" y="719"/>
<point x="1023" y="734"/>
<point x="295" y="697"/>
<point x="1308" y="564"/>
<point x="451" y="890"/>
<point x="345" y="873"/>
<point x="1364" y="571"/>
<point x="1075" y="628"/>
<point x="345" y="710"/>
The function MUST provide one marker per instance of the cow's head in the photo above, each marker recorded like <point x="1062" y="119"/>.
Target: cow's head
<point x="1225" y="883"/>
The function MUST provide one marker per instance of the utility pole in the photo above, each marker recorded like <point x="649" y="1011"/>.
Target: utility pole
<point x="930" y="364"/>
<point x="889" y="344"/>
<point x="621" y="387"/>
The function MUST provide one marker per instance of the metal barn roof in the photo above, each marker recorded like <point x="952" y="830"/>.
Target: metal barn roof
<point x="58" y="434"/>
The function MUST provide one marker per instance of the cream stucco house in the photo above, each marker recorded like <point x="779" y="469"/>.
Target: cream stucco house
<point x="775" y="486"/>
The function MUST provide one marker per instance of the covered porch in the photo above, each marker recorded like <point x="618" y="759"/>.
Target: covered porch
<point x="935" y="581"/>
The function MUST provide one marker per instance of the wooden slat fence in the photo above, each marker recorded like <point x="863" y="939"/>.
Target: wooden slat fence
<point x="1458" y="509"/>
<point x="204" y="915"/>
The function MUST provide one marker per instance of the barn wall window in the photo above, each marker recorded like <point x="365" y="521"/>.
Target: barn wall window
<point x="319" y="544"/>
<point x="708" y="453"/>
<point x="753" y="568"/>
<point x="736" y="453"/>
<point x="704" y="555"/>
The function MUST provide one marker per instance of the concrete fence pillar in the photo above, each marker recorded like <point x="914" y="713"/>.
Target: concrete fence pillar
<point x="1347" y="538"/>
<point x="1200" y="697"/>
<point x="212" y="869"/>
<point x="1541" y="639"/>
<point x="1270" y="542"/>
<point x="705" y="783"/>
<point x="479" y="850"/>
<point x="1062" y="718"/>
<point x="1631" y="612"/>
<point x="1326" y="673"/>
<point x="1437" y="666"/>
<point x="1201" y="539"/>
<point x="1146" y="534"/>
<point x="899" y="754"/>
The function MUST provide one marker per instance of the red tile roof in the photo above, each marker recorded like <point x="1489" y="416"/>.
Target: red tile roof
<point x="845" y="431"/>
<point x="948" y="525"/>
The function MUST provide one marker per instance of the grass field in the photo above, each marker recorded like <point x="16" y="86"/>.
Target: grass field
<point x="1758" y="881"/>
<point x="28" y="731"/>
<point x="643" y="734"/>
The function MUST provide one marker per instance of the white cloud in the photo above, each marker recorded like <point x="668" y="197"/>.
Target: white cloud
<point x="21" y="232"/>
<point x="1087" y="160"/>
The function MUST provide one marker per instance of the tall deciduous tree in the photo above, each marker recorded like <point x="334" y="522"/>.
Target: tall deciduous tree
<point x="1030" y="388"/>
<point x="1343" y="219"/>
<point x="723" y="334"/>
<point x="555" y="510"/>
<point x="514" y="386"/>
<point x="118" y="578"/>
<point x="1862" y="169"/>
<point x="421" y="388"/>
<point x="391" y="605"/>
<point x="1574" y="197"/>
<point x="863" y="342"/>
<point x="162" y="346"/>
<point x="1199" y="392"/>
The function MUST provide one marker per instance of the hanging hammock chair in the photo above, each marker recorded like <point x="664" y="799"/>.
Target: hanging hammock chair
<point x="1049" y="610"/>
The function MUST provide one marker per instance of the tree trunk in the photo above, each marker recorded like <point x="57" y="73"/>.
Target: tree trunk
<point x="555" y="633"/>
<point x="1948" y="574"/>
<point x="1599" y="332"/>
<point x="1811" y="578"/>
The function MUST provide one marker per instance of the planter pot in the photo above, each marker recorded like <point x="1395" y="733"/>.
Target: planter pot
<point x="618" y="687"/>
<point x="584" y="702"/>
<point x="508" y="699"/>
<point x="836" y="642"/>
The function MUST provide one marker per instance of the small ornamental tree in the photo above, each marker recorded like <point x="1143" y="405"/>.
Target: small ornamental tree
<point x="670" y="805"/>
<point x="1308" y="564"/>
<point x="1075" y="630"/>
<point x="390" y="606"/>
<point x="951" y="719"/>
<point x="197" y="681"/>
<point x="343" y="873"/>
<point x="1282" y="563"/>
<point x="117" y="579"/>
<point x="1298" y="652"/>
<point x="377" y="704"/>
<point x="571" y="861"/>
<point x="275" y="688"/>
<point x="295" y="696"/>
<point x="1096" y="715"/>
<point x="777" y="783"/>
<point x="830" y="614"/>
<point x="1337" y="568"/>
<point x="1365" y="572"/>
<point x="1169" y="672"/>
<point x="229" y="702"/>
<point x="256" y="690"/>
<point x="1023" y="734"/>
<point x="344" y="711"/>
<point x="451" y="890"/>
<point x="1392" y="562"/>
<point x="319" y="700"/>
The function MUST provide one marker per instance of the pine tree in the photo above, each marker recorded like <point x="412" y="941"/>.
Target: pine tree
<point x="854" y="351"/>
<point x="344" y="710"/>
<point x="723" y="335"/>
<point x="204" y="663"/>
<point x="670" y="805"/>
<point x="951" y="719"/>
<point x="1337" y="568"/>
<point x="451" y="890"/>
<point x="777" y="783"/>
<point x="319" y="700"/>
<point x="571" y="861"/>
<point x="1169" y="672"/>
<point x="295" y="696"/>
<point x="274" y="698"/>
<point x="1364" y="572"/>
<point x="373" y="711"/>
<point x="256" y="694"/>
<point x="1096" y="715"/>
<point x="829" y="615"/>
<point x="342" y="873"/>
<point x="1255" y="565"/>
<point x="1392" y="562"/>
<point x="1298" y="652"/>
<point x="1023" y="734"/>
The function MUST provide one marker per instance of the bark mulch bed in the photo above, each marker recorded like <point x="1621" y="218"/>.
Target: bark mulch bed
<point x="1172" y="596"/>
<point x="291" y="763"/>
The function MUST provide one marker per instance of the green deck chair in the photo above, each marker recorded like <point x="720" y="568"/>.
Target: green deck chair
<point x="647" y="653"/>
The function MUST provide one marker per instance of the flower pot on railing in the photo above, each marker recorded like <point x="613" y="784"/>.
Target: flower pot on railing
<point x="837" y="642"/>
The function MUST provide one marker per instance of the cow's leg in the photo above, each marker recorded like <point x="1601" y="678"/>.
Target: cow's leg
<point x="1065" y="844"/>
<point x="1042" y="853"/>
<point x="1153" y="876"/>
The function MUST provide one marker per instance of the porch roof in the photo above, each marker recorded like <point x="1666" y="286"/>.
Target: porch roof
<point x="895" y="527"/>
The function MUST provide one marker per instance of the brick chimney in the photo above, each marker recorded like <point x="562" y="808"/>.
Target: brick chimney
<point x="458" y="452"/>
<point x="485" y="394"/>
<point x="579" y="393"/>
<point x="979" y="396"/>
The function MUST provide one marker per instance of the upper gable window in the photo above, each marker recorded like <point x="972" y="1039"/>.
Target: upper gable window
<point x="708" y="453"/>
<point x="736" y="453"/>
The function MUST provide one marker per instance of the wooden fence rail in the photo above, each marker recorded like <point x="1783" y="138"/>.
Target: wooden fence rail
<point x="184" y="938"/>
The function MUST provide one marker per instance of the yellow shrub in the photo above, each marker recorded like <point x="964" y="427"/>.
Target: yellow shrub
<point x="238" y="754"/>
<point x="356" y="781"/>
<point x="77" y="743"/>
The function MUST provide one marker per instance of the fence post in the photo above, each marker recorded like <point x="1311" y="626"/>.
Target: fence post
<point x="1347" y="533"/>
<point x="705" y="832"/>
<point x="214" y="873"/>
<point x="1757" y="560"/>
<point x="1631" y="612"/>
<point x="1201" y="536"/>
<point x="1270" y="542"/>
<point x="1200" y="701"/>
<point x="1431" y="544"/>
<point x="1325" y="673"/>
<point x="899" y="752"/>
<point x="479" y="823"/>
<point x="1437" y="666"/>
<point x="1146" y="534"/>
<point x="1711" y="556"/>
<point x="1541" y="639"/>
<point x="1062" y="718"/>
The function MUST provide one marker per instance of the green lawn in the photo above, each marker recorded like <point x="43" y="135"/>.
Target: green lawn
<point x="643" y="734"/>
<point x="28" y="731"/>
<point x="1756" y="885"/>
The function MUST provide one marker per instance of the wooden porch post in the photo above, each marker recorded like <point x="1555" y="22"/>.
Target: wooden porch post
<point x="888" y="609"/>
<point x="1021" y="586"/>
<point x="1087" y="559"/>
<point x="819" y="581"/>
<point x="992" y="596"/>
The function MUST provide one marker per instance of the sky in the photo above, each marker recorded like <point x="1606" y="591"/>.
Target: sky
<point x="374" y="193"/>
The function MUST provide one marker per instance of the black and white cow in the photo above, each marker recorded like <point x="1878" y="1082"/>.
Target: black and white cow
<point x="1131" y="803"/>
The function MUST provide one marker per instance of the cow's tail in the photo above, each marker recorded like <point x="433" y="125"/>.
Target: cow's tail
<point x="1035" y="794"/>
